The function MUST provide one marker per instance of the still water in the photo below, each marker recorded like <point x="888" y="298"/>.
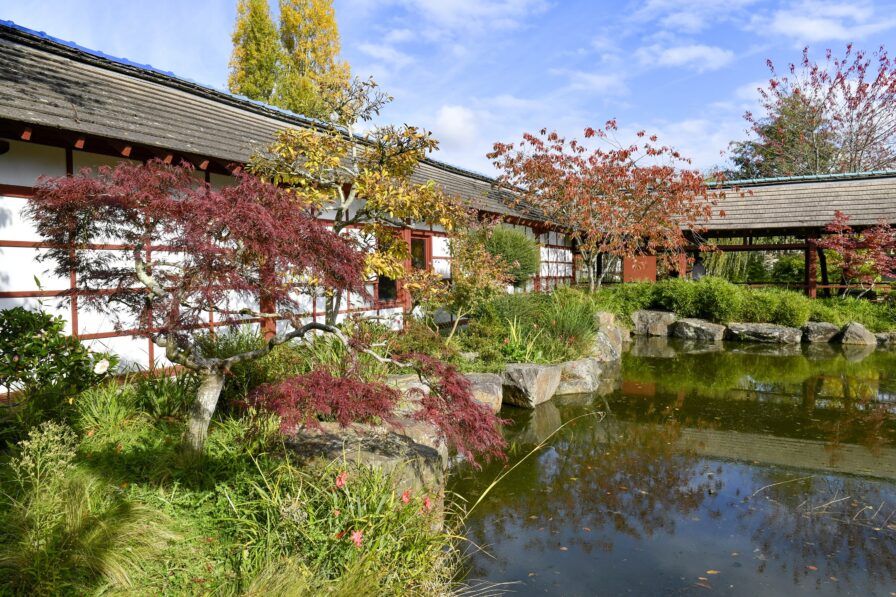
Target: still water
<point x="735" y="470"/>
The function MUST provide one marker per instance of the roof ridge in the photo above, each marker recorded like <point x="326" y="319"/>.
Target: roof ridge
<point x="803" y="178"/>
<point x="44" y="41"/>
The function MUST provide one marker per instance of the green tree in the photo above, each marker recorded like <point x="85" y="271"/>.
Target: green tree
<point x="295" y="67"/>
<point x="311" y="72"/>
<point x="254" y="64"/>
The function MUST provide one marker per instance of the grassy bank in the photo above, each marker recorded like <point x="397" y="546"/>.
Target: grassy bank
<point x="103" y="504"/>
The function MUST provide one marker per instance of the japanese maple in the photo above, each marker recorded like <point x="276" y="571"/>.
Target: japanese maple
<point x="244" y="251"/>
<point x="865" y="257"/>
<point x="613" y="199"/>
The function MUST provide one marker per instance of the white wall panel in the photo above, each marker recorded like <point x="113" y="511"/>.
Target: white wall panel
<point x="14" y="225"/>
<point x="25" y="162"/>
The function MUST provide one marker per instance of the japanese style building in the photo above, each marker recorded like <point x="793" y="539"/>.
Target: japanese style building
<point x="64" y="108"/>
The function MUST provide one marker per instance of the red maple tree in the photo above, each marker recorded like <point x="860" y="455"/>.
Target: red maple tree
<point x="865" y="258"/>
<point x="244" y="251"/>
<point x="614" y="199"/>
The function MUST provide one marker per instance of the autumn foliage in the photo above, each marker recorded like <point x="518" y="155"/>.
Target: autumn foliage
<point x="614" y="199"/>
<point x="865" y="257"/>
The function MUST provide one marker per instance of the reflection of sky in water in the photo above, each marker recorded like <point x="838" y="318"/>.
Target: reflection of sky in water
<point x="687" y="485"/>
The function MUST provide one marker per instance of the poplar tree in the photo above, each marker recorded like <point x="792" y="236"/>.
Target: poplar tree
<point x="295" y="67"/>
<point x="311" y="72"/>
<point x="254" y="64"/>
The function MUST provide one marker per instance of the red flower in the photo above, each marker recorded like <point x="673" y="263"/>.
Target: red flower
<point x="341" y="479"/>
<point x="427" y="504"/>
<point x="340" y="534"/>
<point x="357" y="537"/>
<point x="406" y="496"/>
<point x="337" y="512"/>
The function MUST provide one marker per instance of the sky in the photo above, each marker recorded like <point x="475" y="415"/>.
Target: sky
<point x="479" y="71"/>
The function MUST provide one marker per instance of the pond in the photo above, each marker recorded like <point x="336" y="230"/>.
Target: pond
<point x="737" y="470"/>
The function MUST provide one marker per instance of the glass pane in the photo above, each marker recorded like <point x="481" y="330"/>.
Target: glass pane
<point x="387" y="289"/>
<point x="418" y="253"/>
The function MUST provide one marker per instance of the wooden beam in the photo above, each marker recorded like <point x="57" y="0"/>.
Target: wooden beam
<point x="203" y="165"/>
<point x="169" y="157"/>
<point x="26" y="134"/>
<point x="79" y="142"/>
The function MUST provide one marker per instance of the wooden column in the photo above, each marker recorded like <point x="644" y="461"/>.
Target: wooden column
<point x="811" y="266"/>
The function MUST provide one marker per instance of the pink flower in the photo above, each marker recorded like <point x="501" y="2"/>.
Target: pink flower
<point x="427" y="504"/>
<point x="337" y="512"/>
<point x="406" y="496"/>
<point x="341" y="479"/>
<point x="357" y="537"/>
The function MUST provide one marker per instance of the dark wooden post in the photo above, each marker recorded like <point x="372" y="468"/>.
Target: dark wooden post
<point x="811" y="269"/>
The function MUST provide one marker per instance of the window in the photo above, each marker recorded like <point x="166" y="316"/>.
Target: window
<point x="418" y="253"/>
<point x="387" y="289"/>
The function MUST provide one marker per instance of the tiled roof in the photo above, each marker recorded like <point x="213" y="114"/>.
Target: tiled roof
<point x="47" y="82"/>
<point x="807" y="201"/>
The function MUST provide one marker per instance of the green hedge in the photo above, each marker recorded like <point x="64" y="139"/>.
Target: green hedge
<point x="520" y="252"/>
<point x="718" y="300"/>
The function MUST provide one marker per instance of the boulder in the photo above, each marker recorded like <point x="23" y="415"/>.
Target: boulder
<point x="887" y="339"/>
<point x="856" y="333"/>
<point x="606" y="347"/>
<point x="604" y="319"/>
<point x="819" y="331"/>
<point x="417" y="467"/>
<point x="528" y="385"/>
<point x="487" y="389"/>
<point x="411" y="389"/>
<point x="698" y="329"/>
<point x="764" y="332"/>
<point x="584" y="376"/>
<point x="652" y="323"/>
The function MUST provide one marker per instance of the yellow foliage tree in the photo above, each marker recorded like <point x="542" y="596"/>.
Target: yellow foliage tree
<point x="362" y="181"/>
<point x="296" y="68"/>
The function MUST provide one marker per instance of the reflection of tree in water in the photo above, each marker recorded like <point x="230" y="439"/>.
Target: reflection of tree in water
<point x="605" y="479"/>
<point x="842" y="526"/>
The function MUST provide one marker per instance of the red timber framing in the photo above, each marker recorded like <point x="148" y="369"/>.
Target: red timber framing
<point x="71" y="142"/>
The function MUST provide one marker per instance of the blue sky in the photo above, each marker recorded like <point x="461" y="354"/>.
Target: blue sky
<point x="480" y="71"/>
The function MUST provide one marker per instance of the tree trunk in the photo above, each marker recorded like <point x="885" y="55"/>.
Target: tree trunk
<point x="332" y="306"/>
<point x="202" y="411"/>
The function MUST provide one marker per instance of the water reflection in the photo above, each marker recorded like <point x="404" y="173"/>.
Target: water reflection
<point x="736" y="468"/>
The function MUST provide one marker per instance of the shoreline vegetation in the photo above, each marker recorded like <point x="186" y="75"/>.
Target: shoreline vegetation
<point x="96" y="498"/>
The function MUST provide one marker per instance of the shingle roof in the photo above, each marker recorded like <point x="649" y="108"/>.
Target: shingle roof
<point x="807" y="201"/>
<point x="47" y="82"/>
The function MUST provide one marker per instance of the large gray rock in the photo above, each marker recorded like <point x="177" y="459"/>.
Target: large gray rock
<point x="416" y="466"/>
<point x="652" y="323"/>
<point x="887" y="339"/>
<point x="611" y="337"/>
<point x="698" y="329"/>
<point x="412" y="391"/>
<point x="764" y="332"/>
<point x="488" y="388"/>
<point x="529" y="385"/>
<point x="819" y="332"/>
<point x="856" y="333"/>
<point x="585" y="376"/>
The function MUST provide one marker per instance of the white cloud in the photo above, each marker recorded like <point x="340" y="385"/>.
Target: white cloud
<point x="465" y="15"/>
<point x="809" y="21"/>
<point x="607" y="83"/>
<point x="699" y="57"/>
<point x="397" y="36"/>
<point x="386" y="54"/>
<point x="456" y="126"/>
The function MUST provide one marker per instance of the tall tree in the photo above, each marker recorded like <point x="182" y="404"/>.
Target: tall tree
<point x="615" y="199"/>
<point x="255" y="62"/>
<point x="311" y="71"/>
<point x="823" y="117"/>
<point x="296" y="67"/>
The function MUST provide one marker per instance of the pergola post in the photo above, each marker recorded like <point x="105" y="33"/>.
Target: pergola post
<point x="811" y="266"/>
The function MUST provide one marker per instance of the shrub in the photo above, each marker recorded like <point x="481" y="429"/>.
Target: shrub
<point x="106" y="408"/>
<point x="877" y="317"/>
<point x="519" y="252"/>
<point x="568" y="321"/>
<point x="717" y="299"/>
<point x="63" y="531"/>
<point x="677" y="295"/>
<point x="791" y="308"/>
<point x="165" y="396"/>
<point x="789" y="268"/>
<point x="624" y="299"/>
<point x="757" y="306"/>
<point x="39" y="360"/>
<point x="310" y="398"/>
